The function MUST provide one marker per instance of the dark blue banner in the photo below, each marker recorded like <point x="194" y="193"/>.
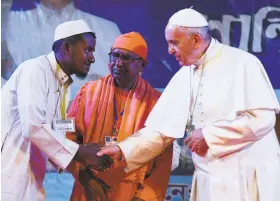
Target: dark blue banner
<point x="250" y="25"/>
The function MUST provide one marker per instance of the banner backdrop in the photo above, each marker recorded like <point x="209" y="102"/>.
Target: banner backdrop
<point x="251" y="25"/>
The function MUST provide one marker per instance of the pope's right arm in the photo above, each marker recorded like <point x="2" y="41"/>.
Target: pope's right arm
<point x="138" y="149"/>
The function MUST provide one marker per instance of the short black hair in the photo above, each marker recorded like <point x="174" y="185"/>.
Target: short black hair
<point x="71" y="39"/>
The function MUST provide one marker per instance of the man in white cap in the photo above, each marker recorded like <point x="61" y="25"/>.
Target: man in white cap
<point x="34" y="115"/>
<point x="224" y="99"/>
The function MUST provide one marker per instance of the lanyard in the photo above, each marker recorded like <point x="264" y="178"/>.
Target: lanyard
<point x="115" y="130"/>
<point x="63" y="98"/>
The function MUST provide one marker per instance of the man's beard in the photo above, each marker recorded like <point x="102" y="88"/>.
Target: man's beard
<point x="81" y="75"/>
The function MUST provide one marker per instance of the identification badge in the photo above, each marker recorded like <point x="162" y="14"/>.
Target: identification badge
<point x="111" y="140"/>
<point x="67" y="125"/>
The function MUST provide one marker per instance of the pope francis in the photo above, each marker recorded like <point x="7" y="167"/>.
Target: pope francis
<point x="224" y="99"/>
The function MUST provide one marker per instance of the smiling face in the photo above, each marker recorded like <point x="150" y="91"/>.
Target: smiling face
<point x="81" y="56"/>
<point x="183" y="45"/>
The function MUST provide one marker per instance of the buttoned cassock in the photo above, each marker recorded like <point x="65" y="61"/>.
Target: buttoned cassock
<point x="235" y="108"/>
<point x="30" y="101"/>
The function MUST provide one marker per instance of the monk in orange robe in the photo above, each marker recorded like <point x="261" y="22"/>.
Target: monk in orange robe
<point x="113" y="108"/>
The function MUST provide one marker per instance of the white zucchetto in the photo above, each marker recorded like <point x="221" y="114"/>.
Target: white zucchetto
<point x="188" y="18"/>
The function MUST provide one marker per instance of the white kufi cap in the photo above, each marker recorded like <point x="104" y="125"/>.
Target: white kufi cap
<point x="188" y="18"/>
<point x="71" y="28"/>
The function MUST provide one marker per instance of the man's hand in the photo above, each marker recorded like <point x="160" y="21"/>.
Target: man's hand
<point x="94" y="188"/>
<point x="114" y="151"/>
<point x="86" y="155"/>
<point x="196" y="143"/>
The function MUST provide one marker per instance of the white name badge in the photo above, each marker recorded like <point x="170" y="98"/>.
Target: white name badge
<point x="111" y="140"/>
<point x="67" y="125"/>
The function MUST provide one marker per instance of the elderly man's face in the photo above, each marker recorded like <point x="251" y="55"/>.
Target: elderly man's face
<point x="124" y="65"/>
<point x="182" y="46"/>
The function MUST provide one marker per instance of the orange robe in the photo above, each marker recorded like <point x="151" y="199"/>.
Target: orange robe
<point x="93" y="109"/>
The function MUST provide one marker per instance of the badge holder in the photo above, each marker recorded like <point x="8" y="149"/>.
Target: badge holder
<point x="67" y="125"/>
<point x="111" y="140"/>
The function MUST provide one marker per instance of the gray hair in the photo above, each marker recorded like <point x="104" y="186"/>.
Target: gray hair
<point x="203" y="32"/>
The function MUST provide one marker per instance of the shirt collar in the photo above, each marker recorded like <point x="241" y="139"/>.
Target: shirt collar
<point x="208" y="55"/>
<point x="60" y="75"/>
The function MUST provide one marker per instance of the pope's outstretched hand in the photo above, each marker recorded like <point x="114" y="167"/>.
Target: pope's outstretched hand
<point x="114" y="151"/>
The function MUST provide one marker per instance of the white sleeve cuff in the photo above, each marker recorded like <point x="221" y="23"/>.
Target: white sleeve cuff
<point x="55" y="145"/>
<point x="143" y="146"/>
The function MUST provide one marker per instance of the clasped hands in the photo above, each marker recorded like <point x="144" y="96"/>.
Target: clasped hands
<point x="87" y="155"/>
<point x="93" y="157"/>
<point x="196" y="143"/>
<point x="95" y="188"/>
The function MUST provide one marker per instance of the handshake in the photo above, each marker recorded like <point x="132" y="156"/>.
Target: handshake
<point x="86" y="155"/>
<point x="94" y="188"/>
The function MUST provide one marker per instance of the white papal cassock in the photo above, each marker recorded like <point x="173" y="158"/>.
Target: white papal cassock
<point x="235" y="108"/>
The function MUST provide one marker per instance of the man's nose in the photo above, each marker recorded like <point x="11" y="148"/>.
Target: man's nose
<point x="91" y="58"/>
<point x="119" y="62"/>
<point x="171" y="50"/>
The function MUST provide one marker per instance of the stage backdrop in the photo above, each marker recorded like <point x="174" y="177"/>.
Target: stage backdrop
<point x="251" y="25"/>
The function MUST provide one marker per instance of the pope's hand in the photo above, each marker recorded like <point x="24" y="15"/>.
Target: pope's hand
<point x="196" y="143"/>
<point x="86" y="155"/>
<point x="114" y="151"/>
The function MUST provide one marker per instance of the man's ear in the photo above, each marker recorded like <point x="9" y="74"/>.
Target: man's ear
<point x="144" y="64"/>
<point x="67" y="48"/>
<point x="197" y="40"/>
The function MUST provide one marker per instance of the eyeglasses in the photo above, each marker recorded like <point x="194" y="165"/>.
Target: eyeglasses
<point x="125" y="58"/>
